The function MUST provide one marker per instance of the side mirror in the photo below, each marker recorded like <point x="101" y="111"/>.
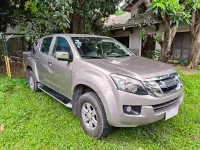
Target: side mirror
<point x="63" y="56"/>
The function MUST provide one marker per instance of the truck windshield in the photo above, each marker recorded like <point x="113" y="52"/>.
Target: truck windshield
<point x="97" y="47"/>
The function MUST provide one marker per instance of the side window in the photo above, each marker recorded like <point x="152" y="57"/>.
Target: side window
<point x="46" y="45"/>
<point x="61" y="45"/>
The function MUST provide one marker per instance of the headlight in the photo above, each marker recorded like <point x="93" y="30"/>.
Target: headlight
<point x="127" y="84"/>
<point x="181" y="83"/>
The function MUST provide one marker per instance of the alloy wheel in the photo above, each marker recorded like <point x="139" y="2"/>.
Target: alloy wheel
<point x="89" y="116"/>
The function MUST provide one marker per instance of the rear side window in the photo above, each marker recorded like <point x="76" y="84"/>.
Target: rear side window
<point x="61" y="45"/>
<point x="46" y="45"/>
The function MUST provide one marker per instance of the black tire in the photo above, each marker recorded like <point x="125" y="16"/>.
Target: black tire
<point x="102" y="128"/>
<point x="31" y="81"/>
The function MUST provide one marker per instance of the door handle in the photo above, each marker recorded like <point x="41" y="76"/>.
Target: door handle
<point x="50" y="63"/>
<point x="37" y="58"/>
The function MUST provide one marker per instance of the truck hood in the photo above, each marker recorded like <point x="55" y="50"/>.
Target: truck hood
<point x="134" y="66"/>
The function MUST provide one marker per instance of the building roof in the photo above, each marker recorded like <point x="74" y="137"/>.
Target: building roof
<point x="117" y="20"/>
<point x="126" y="21"/>
<point x="140" y="20"/>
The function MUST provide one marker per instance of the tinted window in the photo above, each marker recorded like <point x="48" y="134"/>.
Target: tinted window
<point x="46" y="45"/>
<point x="61" y="45"/>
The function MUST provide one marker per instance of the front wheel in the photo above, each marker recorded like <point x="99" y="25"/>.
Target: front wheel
<point x="32" y="81"/>
<point x="92" y="115"/>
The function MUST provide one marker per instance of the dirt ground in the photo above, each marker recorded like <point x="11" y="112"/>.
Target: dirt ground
<point x="17" y="69"/>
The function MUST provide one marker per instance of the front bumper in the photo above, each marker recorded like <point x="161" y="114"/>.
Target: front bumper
<point x="152" y="109"/>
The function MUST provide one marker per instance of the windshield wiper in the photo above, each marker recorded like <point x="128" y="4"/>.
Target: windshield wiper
<point x="91" y="57"/>
<point x="120" y="56"/>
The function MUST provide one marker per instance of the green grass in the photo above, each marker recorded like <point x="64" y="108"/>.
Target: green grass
<point x="37" y="121"/>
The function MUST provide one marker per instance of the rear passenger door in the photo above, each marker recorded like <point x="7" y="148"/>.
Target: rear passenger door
<point x="42" y="60"/>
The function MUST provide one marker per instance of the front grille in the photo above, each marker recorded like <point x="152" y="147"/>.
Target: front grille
<point x="165" y="105"/>
<point x="163" y="85"/>
<point x="169" y="84"/>
<point x="169" y="89"/>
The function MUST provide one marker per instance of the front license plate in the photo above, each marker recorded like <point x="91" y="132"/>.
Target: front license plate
<point x="171" y="113"/>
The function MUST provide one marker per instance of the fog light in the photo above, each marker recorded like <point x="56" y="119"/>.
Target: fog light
<point x="132" y="110"/>
<point x="128" y="109"/>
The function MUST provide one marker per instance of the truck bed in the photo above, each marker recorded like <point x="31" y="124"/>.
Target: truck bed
<point x="25" y="57"/>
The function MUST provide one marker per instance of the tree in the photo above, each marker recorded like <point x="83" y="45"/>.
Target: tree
<point x="193" y="7"/>
<point x="88" y="15"/>
<point x="9" y="13"/>
<point x="169" y="14"/>
<point x="66" y="16"/>
<point x="42" y="17"/>
<point x="36" y="17"/>
<point x="46" y="17"/>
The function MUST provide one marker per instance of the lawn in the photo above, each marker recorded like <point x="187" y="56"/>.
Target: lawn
<point x="37" y="121"/>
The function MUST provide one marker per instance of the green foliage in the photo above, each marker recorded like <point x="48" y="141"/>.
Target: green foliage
<point x="143" y="34"/>
<point x="182" y="62"/>
<point x="152" y="54"/>
<point x="191" y="4"/>
<point x="198" y="68"/>
<point x="89" y="17"/>
<point x="157" y="38"/>
<point x="32" y="6"/>
<point x="172" y="10"/>
<point x="119" y="12"/>
<point x="42" y="17"/>
<point x="169" y="14"/>
<point x="47" y="16"/>
<point x="10" y="13"/>
<point x="143" y="37"/>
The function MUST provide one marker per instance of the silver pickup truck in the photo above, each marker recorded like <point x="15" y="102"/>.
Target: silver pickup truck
<point x="103" y="82"/>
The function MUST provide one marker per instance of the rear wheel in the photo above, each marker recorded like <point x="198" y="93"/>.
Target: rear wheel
<point x="32" y="81"/>
<point x="92" y="115"/>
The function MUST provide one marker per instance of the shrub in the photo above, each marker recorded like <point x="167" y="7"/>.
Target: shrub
<point x="182" y="62"/>
<point x="152" y="54"/>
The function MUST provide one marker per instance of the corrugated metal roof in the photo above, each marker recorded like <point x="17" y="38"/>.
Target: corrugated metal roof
<point x="118" y="20"/>
<point x="125" y="20"/>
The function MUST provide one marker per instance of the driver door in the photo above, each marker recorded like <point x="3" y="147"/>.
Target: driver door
<point x="60" y="72"/>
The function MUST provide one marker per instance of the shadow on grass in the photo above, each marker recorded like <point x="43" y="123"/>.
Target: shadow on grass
<point x="155" y="133"/>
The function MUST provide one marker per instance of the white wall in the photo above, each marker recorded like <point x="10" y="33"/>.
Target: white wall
<point x="183" y="28"/>
<point x="134" y="39"/>
<point x="135" y="42"/>
<point x="11" y="30"/>
<point x="160" y="32"/>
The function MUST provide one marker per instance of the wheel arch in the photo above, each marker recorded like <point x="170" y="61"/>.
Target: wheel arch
<point x="32" y="66"/>
<point x="28" y="67"/>
<point x="78" y="91"/>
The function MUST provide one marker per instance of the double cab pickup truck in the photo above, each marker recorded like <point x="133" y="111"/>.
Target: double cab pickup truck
<point x="103" y="82"/>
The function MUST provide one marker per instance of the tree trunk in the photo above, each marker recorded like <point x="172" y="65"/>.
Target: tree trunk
<point x="170" y="31"/>
<point x="167" y="43"/>
<point x="195" y="51"/>
<point x="77" y="23"/>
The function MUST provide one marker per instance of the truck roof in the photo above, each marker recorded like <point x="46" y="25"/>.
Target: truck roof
<point x="77" y="35"/>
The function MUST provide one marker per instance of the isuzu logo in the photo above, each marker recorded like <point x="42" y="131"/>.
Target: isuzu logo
<point x="169" y="82"/>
